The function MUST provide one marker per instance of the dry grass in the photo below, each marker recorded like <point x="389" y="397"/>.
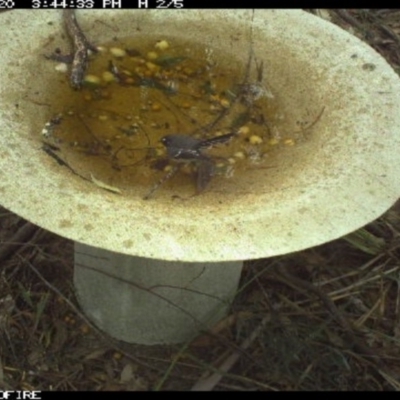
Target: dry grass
<point x="324" y="318"/>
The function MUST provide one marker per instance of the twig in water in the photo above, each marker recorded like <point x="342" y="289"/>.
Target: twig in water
<point x="81" y="49"/>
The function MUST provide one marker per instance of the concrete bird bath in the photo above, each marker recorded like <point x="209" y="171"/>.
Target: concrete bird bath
<point x="158" y="271"/>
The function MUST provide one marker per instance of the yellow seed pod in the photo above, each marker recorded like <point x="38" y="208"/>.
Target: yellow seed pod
<point x="92" y="79"/>
<point x="108" y="76"/>
<point x="225" y="103"/>
<point x="273" y="142"/>
<point x="255" y="139"/>
<point x="240" y="155"/>
<point x="162" y="45"/>
<point x="117" y="52"/>
<point x="244" y="130"/>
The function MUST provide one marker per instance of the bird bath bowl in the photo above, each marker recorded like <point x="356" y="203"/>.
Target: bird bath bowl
<point x="157" y="271"/>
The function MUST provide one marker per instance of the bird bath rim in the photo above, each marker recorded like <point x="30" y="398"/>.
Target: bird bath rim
<point x="341" y="180"/>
